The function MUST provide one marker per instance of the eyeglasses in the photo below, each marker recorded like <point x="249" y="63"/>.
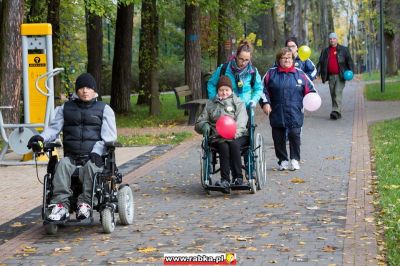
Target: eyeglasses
<point x="292" y="46"/>
<point x="286" y="58"/>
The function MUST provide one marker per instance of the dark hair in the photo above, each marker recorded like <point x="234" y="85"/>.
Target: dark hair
<point x="291" y="39"/>
<point x="281" y="52"/>
<point x="244" y="46"/>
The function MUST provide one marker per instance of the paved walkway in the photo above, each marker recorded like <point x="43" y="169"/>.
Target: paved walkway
<point x="327" y="220"/>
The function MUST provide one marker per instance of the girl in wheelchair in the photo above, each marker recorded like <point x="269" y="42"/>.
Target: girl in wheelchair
<point x="225" y="103"/>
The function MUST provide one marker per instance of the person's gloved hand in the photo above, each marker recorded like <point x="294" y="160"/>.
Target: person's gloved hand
<point x="33" y="139"/>
<point x="252" y="104"/>
<point x="205" y="129"/>
<point x="96" y="159"/>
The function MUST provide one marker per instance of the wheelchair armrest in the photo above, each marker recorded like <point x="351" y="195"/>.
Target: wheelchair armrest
<point x="51" y="145"/>
<point x="112" y="144"/>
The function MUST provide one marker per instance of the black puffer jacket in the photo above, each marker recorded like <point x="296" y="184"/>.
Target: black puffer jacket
<point x="344" y="59"/>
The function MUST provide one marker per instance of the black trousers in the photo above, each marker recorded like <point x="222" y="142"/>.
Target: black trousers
<point x="230" y="158"/>
<point x="279" y="137"/>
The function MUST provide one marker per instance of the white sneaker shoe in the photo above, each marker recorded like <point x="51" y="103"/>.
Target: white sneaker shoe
<point x="295" y="164"/>
<point x="83" y="211"/>
<point x="59" y="212"/>
<point x="284" y="165"/>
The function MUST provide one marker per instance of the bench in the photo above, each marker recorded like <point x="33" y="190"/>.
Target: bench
<point x="192" y="105"/>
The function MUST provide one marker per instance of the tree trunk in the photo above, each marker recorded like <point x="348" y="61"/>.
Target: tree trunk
<point x="11" y="59"/>
<point x="155" y="104"/>
<point x="278" y="39"/>
<point x="315" y="15"/>
<point x="267" y="31"/>
<point x="146" y="53"/>
<point x="53" y="17"/>
<point x="121" y="71"/>
<point x="391" y="29"/>
<point x="193" y="50"/>
<point x="224" y="31"/>
<point x="94" y="29"/>
<point x="326" y="21"/>
<point x="289" y="22"/>
<point x="36" y="12"/>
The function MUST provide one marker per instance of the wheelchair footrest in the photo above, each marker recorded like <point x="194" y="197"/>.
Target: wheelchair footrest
<point x="240" y="187"/>
<point x="68" y="222"/>
<point x="215" y="188"/>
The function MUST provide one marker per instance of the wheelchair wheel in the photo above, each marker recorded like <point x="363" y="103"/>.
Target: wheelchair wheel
<point x="107" y="220"/>
<point x="260" y="162"/>
<point x="253" y="186"/>
<point x="125" y="205"/>
<point x="51" y="229"/>
<point x="204" y="170"/>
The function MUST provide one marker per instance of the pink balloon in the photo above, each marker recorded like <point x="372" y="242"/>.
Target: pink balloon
<point x="226" y="127"/>
<point x="312" y="102"/>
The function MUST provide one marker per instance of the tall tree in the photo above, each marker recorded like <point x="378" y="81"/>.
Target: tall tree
<point x="317" y="41"/>
<point x="148" y="58"/>
<point x="193" y="49"/>
<point x="94" y="45"/>
<point x="326" y="21"/>
<point x="36" y="11"/>
<point x="266" y="25"/>
<point x="294" y="25"/>
<point x="53" y="17"/>
<point x="391" y="28"/>
<point x="225" y="34"/>
<point x="11" y="58"/>
<point x="121" y="72"/>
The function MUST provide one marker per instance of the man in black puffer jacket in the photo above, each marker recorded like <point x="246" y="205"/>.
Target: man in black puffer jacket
<point x="86" y="125"/>
<point x="333" y="62"/>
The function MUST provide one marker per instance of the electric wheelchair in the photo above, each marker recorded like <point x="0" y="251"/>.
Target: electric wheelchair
<point x="253" y="162"/>
<point x="109" y="196"/>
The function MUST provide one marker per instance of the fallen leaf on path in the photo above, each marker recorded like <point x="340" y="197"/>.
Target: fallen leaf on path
<point x="63" y="249"/>
<point x="334" y="158"/>
<point x="312" y="208"/>
<point x="17" y="224"/>
<point x="329" y="248"/>
<point x="297" y="180"/>
<point x="147" y="249"/>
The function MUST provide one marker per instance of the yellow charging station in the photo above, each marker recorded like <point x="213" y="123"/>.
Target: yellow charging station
<point x="37" y="58"/>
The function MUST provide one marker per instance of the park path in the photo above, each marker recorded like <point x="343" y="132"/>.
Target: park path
<point x="318" y="215"/>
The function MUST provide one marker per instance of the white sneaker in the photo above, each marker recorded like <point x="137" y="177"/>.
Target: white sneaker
<point x="59" y="212"/>
<point x="83" y="211"/>
<point x="295" y="164"/>
<point x="284" y="165"/>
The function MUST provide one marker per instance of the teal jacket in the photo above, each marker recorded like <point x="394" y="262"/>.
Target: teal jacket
<point x="231" y="106"/>
<point x="247" y="93"/>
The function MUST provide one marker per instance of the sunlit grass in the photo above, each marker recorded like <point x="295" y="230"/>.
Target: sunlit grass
<point x="153" y="140"/>
<point x="376" y="75"/>
<point x="386" y="147"/>
<point x="391" y="93"/>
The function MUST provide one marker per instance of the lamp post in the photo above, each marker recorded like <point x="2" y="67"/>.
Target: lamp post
<point x="382" y="50"/>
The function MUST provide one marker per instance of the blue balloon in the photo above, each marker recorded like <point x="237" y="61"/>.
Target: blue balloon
<point x="348" y="75"/>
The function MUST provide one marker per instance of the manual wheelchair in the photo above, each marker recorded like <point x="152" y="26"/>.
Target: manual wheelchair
<point x="109" y="196"/>
<point x="253" y="162"/>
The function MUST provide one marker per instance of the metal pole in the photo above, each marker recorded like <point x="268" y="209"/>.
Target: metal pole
<point x="382" y="51"/>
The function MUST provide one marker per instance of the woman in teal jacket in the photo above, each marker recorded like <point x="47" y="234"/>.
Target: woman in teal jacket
<point x="246" y="80"/>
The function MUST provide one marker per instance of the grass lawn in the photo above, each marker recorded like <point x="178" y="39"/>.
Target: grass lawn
<point x="386" y="149"/>
<point x="376" y="75"/>
<point x="139" y="118"/>
<point x="392" y="92"/>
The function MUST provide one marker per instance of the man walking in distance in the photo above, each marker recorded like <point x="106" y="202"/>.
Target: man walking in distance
<point x="333" y="62"/>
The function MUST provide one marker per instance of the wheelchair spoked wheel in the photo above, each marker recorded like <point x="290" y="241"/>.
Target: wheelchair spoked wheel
<point x="107" y="220"/>
<point x="125" y="205"/>
<point x="260" y="162"/>
<point x="51" y="229"/>
<point x="204" y="175"/>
